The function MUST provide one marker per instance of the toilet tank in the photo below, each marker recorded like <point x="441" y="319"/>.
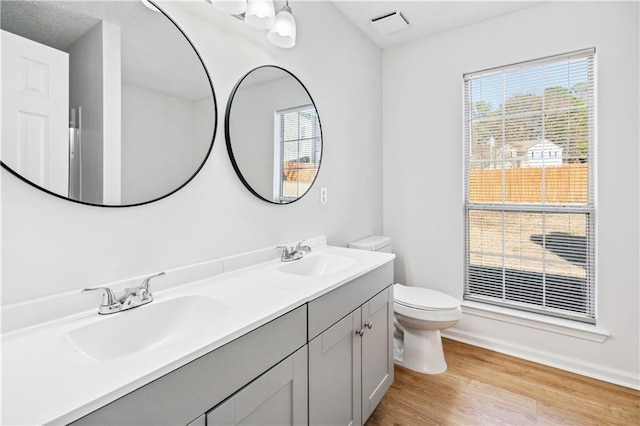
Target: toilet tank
<point x="373" y="243"/>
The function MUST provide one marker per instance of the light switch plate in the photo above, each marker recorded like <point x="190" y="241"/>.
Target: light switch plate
<point x="323" y="195"/>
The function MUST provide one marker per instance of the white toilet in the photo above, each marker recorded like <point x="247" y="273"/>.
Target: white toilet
<point x="420" y="314"/>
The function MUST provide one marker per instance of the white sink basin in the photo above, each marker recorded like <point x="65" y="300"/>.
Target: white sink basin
<point x="158" y="323"/>
<point x="315" y="266"/>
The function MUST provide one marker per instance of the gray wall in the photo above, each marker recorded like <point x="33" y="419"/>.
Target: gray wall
<point x="94" y="85"/>
<point x="86" y="90"/>
<point x="164" y="137"/>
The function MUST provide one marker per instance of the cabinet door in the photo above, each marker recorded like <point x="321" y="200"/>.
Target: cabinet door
<point x="335" y="374"/>
<point x="377" y="350"/>
<point x="278" y="397"/>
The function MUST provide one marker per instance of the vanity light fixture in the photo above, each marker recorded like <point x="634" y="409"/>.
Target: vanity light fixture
<point x="283" y="31"/>
<point x="260" y="14"/>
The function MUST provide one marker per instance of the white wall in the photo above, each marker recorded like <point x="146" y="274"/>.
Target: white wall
<point x="51" y="245"/>
<point x="422" y="169"/>
<point x="112" y="113"/>
<point x="163" y="136"/>
<point x="203" y="130"/>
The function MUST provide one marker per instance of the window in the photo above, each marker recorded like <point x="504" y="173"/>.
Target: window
<point x="298" y="151"/>
<point x="530" y="219"/>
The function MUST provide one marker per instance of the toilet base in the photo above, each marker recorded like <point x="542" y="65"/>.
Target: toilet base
<point x="420" y="350"/>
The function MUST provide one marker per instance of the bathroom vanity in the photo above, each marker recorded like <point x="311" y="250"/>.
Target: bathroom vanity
<point x="351" y="349"/>
<point x="191" y="391"/>
<point x="293" y="343"/>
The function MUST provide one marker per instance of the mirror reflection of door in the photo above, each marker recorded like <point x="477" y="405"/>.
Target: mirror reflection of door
<point x="35" y="81"/>
<point x="139" y="111"/>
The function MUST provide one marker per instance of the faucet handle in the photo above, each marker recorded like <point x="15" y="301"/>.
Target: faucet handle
<point x="300" y="247"/>
<point x="285" y="250"/>
<point x="108" y="298"/>
<point x="145" y="283"/>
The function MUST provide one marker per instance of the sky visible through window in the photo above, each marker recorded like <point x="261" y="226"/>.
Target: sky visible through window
<point x="532" y="80"/>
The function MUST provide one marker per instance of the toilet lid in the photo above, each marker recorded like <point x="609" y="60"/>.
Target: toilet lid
<point x="423" y="298"/>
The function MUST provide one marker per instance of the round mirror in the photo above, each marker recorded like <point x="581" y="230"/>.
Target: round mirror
<point x="273" y="135"/>
<point x="103" y="102"/>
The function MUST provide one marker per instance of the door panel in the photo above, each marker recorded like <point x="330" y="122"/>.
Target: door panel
<point x="278" y="397"/>
<point x="35" y="117"/>
<point x="335" y="374"/>
<point x="377" y="350"/>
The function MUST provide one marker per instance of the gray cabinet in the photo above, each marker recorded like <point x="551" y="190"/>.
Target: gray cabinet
<point x="351" y="364"/>
<point x="329" y="308"/>
<point x="278" y="397"/>
<point x="334" y="374"/>
<point x="377" y="350"/>
<point x="188" y="392"/>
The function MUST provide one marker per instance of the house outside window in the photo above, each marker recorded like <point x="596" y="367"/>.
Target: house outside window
<point x="529" y="186"/>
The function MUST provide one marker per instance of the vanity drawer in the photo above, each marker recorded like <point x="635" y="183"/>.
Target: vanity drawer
<point x="189" y="391"/>
<point x="328" y="309"/>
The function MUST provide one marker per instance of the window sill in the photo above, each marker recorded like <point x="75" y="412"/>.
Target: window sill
<point x="540" y="322"/>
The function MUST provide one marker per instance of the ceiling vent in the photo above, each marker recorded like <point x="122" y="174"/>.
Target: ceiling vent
<point x="390" y="23"/>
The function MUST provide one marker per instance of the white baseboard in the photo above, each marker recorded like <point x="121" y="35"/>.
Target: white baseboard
<point x="573" y="365"/>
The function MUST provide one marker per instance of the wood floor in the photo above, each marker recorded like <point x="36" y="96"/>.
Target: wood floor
<point x="482" y="387"/>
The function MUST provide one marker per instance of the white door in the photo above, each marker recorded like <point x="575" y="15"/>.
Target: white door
<point x="35" y="117"/>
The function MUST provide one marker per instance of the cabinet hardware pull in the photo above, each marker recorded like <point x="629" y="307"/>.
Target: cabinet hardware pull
<point x="369" y="325"/>
<point x="360" y="332"/>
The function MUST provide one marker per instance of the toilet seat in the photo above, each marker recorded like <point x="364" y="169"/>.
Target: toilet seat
<point x="423" y="298"/>
<point x="441" y="315"/>
<point x="425" y="304"/>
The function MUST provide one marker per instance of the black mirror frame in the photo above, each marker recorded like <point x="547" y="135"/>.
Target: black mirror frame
<point x="204" y="160"/>
<point x="228" y="135"/>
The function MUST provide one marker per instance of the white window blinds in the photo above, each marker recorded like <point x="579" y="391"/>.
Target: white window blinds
<point x="529" y="186"/>
<point x="299" y="151"/>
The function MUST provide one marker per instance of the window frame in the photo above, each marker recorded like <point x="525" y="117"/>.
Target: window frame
<point x="588" y="209"/>
<point x="278" y="151"/>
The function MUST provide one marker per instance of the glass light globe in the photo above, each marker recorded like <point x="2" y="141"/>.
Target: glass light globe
<point x="260" y="14"/>
<point x="283" y="32"/>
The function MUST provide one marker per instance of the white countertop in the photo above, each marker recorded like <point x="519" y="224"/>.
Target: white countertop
<point x="45" y="380"/>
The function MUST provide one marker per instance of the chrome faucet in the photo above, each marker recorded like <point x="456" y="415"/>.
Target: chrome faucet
<point x="132" y="297"/>
<point x="291" y="253"/>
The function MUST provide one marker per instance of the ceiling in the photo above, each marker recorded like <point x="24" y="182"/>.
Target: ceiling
<point x="425" y="17"/>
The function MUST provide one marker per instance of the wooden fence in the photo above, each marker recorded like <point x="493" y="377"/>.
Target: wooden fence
<point x="304" y="172"/>
<point x="562" y="184"/>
